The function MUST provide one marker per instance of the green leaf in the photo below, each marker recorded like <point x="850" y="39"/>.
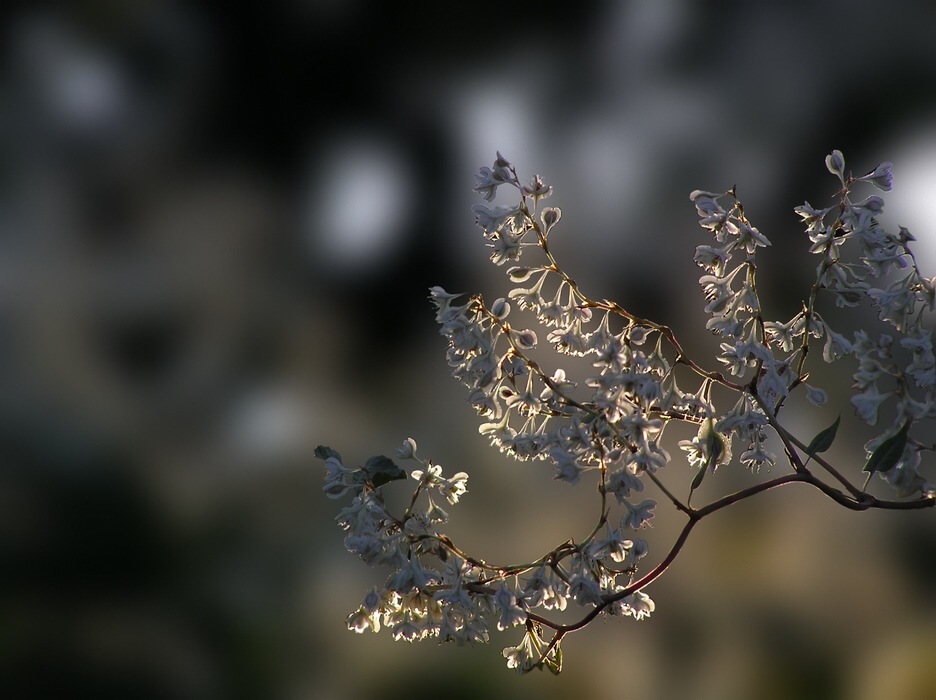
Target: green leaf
<point x="697" y="479"/>
<point x="324" y="453"/>
<point x="889" y="452"/>
<point x="381" y="470"/>
<point x="553" y="660"/>
<point x="824" y="439"/>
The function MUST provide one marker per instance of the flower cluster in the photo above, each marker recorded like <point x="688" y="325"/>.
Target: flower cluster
<point x="427" y="593"/>
<point x="437" y="591"/>
<point x="606" y="426"/>
<point x="862" y="261"/>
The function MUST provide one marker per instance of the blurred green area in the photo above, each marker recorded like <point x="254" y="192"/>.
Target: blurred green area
<point x="217" y="229"/>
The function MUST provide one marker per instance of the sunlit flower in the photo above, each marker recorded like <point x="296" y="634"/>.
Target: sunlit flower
<point x="881" y="177"/>
<point x="868" y="403"/>
<point x="522" y="657"/>
<point x="509" y="613"/>
<point x="637" y="605"/>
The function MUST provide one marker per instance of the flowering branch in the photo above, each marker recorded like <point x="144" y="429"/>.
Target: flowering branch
<point x="608" y="427"/>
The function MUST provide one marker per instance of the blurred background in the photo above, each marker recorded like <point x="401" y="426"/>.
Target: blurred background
<point x="217" y="231"/>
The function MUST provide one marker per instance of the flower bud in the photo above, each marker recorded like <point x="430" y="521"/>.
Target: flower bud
<point x="407" y="450"/>
<point x="526" y="339"/>
<point x="500" y="308"/>
<point x="835" y="162"/>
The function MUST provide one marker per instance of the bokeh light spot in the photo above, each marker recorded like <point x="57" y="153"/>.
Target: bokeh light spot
<point x="359" y="203"/>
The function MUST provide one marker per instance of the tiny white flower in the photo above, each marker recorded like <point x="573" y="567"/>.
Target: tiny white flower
<point x="638" y="516"/>
<point x="454" y="487"/>
<point x="407" y="450"/>
<point x="567" y="467"/>
<point x="784" y="334"/>
<point x="881" y="177"/>
<point x="712" y="259"/>
<point x="836" y="346"/>
<point x="615" y="546"/>
<point x="537" y="188"/>
<point x="637" y="605"/>
<point x="756" y="455"/>
<point x="360" y="620"/>
<point x="487" y="181"/>
<point x="868" y="403"/>
<point x="522" y="657"/>
<point x="585" y="590"/>
<point x="621" y="482"/>
<point x="491" y="219"/>
<point x="506" y="604"/>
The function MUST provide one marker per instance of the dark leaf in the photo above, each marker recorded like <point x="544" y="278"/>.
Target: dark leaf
<point x="381" y="470"/>
<point x="554" y="660"/>
<point x="889" y="452"/>
<point x="824" y="439"/>
<point x="324" y="453"/>
<point x="697" y="479"/>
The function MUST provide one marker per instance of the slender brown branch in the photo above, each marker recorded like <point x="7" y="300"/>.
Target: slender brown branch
<point x="864" y="503"/>
<point x="789" y="440"/>
<point x="852" y="489"/>
<point x="675" y="501"/>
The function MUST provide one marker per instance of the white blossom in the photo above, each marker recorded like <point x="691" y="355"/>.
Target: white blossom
<point x="637" y="605"/>
<point x="522" y="657"/>
<point x="868" y="403"/>
<point x="881" y="177"/>
<point x="509" y="613"/>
